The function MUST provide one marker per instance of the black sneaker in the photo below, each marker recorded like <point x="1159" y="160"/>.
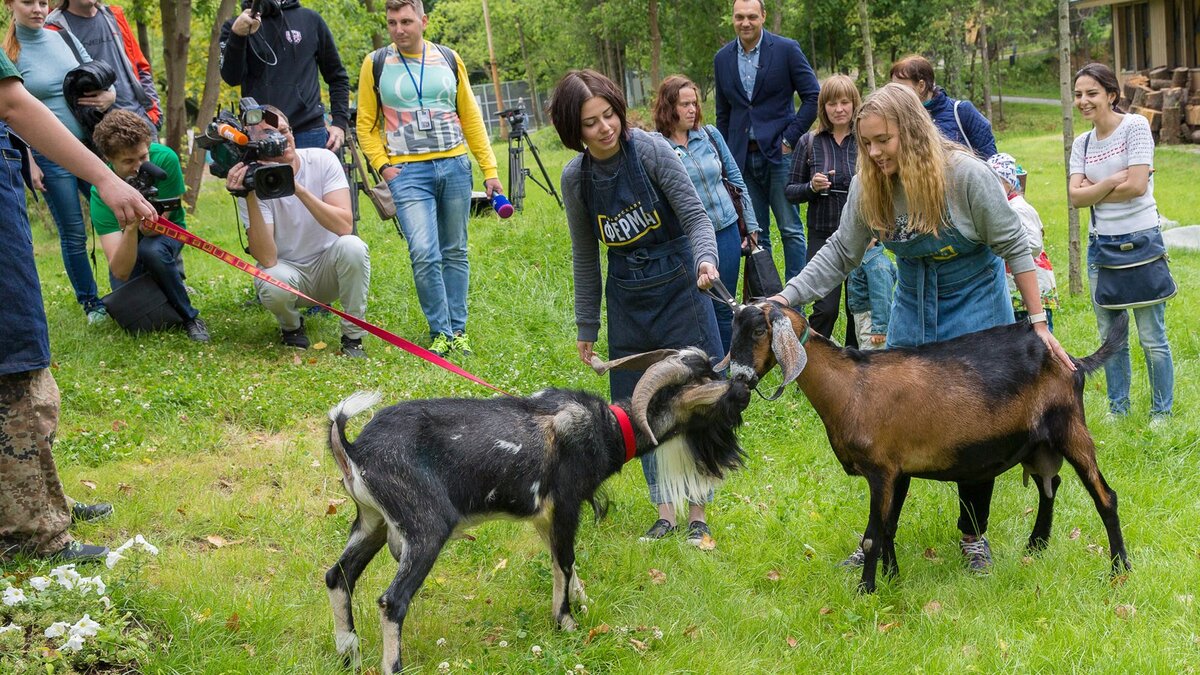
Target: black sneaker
<point x="196" y="330"/>
<point x="978" y="555"/>
<point x="88" y="513"/>
<point x="77" y="552"/>
<point x="697" y="531"/>
<point x="297" y="338"/>
<point x="353" y="348"/>
<point x="661" y="528"/>
<point x="856" y="559"/>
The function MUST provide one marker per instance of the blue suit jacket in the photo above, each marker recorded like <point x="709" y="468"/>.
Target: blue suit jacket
<point x="782" y="72"/>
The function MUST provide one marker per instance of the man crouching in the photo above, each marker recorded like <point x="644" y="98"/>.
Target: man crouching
<point x="305" y="240"/>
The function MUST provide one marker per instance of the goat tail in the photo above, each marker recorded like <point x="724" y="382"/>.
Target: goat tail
<point x="352" y="405"/>
<point x="1118" y="333"/>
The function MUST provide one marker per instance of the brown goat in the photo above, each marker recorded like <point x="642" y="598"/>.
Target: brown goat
<point x="961" y="410"/>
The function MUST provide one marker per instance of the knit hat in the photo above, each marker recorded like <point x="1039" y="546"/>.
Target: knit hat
<point x="1006" y="167"/>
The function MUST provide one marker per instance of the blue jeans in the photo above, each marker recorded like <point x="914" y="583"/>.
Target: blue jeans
<point x="766" y="182"/>
<point x="1152" y="334"/>
<point x="62" y="197"/>
<point x="312" y="138"/>
<point x="157" y="257"/>
<point x="433" y="202"/>
<point x="729" y="265"/>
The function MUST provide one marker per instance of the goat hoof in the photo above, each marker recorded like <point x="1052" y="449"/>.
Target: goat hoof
<point x="567" y="622"/>
<point x="1037" y="545"/>
<point x="865" y="588"/>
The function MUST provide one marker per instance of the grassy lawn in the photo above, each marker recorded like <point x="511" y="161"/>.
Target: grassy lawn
<point x="217" y="455"/>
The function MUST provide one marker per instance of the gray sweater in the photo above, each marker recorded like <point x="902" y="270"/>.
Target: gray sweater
<point x="978" y="208"/>
<point x="665" y="170"/>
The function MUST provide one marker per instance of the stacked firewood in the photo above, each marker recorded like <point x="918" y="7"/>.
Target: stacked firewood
<point x="1169" y="98"/>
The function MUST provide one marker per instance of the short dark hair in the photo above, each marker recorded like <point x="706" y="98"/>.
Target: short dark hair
<point x="916" y="68"/>
<point x="665" y="115"/>
<point x="1105" y="77"/>
<point x="568" y="97"/>
<point x="121" y="130"/>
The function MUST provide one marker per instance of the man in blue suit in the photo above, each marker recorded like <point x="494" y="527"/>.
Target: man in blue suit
<point x="756" y="77"/>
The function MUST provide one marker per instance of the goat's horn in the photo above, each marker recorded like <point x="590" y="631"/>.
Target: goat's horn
<point x="659" y="376"/>
<point x="787" y="348"/>
<point x="633" y="362"/>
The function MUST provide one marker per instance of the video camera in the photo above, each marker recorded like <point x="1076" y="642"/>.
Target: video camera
<point x="227" y="140"/>
<point x="144" y="181"/>
<point x="515" y="117"/>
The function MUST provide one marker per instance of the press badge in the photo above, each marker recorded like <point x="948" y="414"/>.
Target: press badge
<point x="424" y="120"/>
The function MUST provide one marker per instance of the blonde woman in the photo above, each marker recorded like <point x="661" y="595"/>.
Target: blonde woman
<point x="939" y="209"/>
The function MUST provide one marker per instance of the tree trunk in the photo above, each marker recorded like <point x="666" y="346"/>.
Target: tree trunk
<point x="1064" y="88"/>
<point x="987" y="70"/>
<point x="864" y="22"/>
<point x="777" y="18"/>
<point x="144" y="40"/>
<point x="177" y="34"/>
<point x="208" y="103"/>
<point x="533" y="92"/>
<point x="377" y="40"/>
<point x="655" y="43"/>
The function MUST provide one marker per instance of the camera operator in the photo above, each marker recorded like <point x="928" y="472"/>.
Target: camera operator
<point x="132" y="250"/>
<point x="305" y="240"/>
<point x="274" y="50"/>
<point x="416" y="134"/>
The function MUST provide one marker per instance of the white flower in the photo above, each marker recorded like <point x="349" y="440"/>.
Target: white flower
<point x="86" y="584"/>
<point x="9" y="628"/>
<point x="106" y="602"/>
<point x="39" y="583"/>
<point x="85" y="627"/>
<point x="73" y="644"/>
<point x="13" y="596"/>
<point x="66" y="576"/>
<point x="113" y="557"/>
<point x="146" y="546"/>
<point x="57" y="629"/>
<point x="537" y="651"/>
<point x="441" y="642"/>
<point x="503" y="643"/>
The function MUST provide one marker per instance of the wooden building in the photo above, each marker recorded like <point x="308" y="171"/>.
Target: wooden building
<point x="1152" y="33"/>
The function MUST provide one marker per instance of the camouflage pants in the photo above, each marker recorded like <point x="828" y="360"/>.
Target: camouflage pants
<point x="33" y="509"/>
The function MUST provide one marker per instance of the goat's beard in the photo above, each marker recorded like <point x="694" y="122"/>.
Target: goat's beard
<point x="681" y="479"/>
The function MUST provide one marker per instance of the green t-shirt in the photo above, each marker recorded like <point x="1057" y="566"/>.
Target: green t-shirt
<point x="8" y="68"/>
<point x="105" y="221"/>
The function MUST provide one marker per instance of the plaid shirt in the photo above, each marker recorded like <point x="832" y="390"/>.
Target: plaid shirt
<point x="820" y="153"/>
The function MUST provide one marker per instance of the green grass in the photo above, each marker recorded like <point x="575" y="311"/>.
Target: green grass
<point x="228" y="439"/>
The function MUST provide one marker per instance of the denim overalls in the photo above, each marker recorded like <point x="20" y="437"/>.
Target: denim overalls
<point x="650" y="293"/>
<point x="23" y="334"/>
<point x="947" y="286"/>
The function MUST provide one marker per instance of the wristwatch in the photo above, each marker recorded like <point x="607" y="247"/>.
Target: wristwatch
<point x="1037" y="318"/>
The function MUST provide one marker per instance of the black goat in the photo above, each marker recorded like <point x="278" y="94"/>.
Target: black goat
<point x="421" y="470"/>
<point x="960" y="410"/>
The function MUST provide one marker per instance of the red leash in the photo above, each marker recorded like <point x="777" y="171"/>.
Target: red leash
<point x="166" y="227"/>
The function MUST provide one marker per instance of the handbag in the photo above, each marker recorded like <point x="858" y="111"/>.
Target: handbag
<point x="760" y="278"/>
<point x="381" y="198"/>
<point x="139" y="306"/>
<point x="1132" y="273"/>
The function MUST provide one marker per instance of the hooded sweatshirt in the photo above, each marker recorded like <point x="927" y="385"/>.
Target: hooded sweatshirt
<point x="278" y="65"/>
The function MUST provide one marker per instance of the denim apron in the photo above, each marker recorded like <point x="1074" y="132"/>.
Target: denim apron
<point x="947" y="286"/>
<point x="650" y="293"/>
<point x="24" y="338"/>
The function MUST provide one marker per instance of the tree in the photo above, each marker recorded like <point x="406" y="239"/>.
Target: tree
<point x="864" y="21"/>
<point x="1075" y="281"/>
<point x="177" y="35"/>
<point x="208" y="102"/>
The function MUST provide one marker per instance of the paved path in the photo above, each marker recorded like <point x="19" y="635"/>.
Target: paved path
<point x="1186" y="238"/>
<point x="1026" y="99"/>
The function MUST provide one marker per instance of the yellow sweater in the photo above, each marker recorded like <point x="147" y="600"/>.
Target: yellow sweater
<point x="391" y="136"/>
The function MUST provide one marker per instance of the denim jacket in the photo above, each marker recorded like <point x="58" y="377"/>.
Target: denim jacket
<point x="870" y="288"/>
<point x="703" y="166"/>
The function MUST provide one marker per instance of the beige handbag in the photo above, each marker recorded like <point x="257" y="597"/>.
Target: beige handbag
<point x="381" y="198"/>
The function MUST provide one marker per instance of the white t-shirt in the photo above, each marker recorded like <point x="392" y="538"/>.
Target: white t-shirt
<point x="299" y="238"/>
<point x="1032" y="222"/>
<point x="1130" y="144"/>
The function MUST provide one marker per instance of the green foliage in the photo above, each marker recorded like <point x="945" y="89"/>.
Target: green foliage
<point x="217" y="453"/>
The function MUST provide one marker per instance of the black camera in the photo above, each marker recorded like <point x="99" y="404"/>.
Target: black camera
<point x="515" y="117"/>
<point x="227" y="140"/>
<point x="148" y="174"/>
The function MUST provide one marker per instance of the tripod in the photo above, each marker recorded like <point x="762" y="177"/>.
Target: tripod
<point x="361" y="175"/>
<point x="518" y="138"/>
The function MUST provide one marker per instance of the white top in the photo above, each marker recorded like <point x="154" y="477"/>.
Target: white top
<point x="1032" y="222"/>
<point x="1130" y="144"/>
<point x="299" y="238"/>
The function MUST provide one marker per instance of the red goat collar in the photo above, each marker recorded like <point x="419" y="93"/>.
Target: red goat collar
<point x="626" y="431"/>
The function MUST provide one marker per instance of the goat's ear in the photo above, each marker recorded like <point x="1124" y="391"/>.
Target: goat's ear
<point x="788" y="352"/>
<point x="633" y="362"/>
<point x="701" y="396"/>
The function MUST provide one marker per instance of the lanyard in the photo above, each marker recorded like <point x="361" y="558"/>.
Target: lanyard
<point x="419" y="85"/>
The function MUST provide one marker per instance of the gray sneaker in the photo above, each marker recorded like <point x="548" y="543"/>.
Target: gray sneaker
<point x="978" y="555"/>
<point x="661" y="528"/>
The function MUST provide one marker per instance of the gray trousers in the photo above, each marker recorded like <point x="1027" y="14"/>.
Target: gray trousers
<point x="34" y="515"/>
<point x="342" y="273"/>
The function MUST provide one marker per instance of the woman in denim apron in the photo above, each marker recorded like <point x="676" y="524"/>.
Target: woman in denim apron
<point x="1111" y="171"/>
<point x="943" y="215"/>
<point x="629" y="191"/>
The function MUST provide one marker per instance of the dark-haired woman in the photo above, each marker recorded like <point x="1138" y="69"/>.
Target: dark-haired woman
<point x="628" y="191"/>
<point x="707" y="159"/>
<point x="1112" y="172"/>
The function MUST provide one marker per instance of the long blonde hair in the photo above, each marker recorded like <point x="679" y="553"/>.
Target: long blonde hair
<point x="923" y="161"/>
<point x="11" y="46"/>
